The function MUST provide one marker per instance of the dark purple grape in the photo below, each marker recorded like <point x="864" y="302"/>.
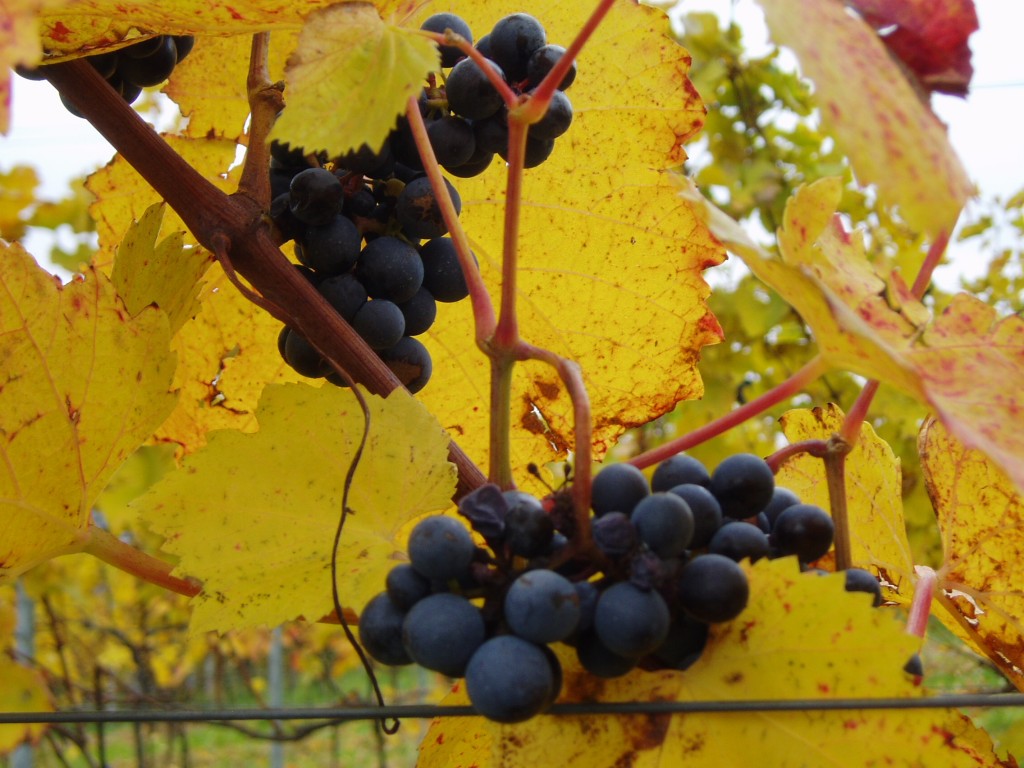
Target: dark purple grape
<point x="707" y="514"/>
<point x="513" y="41"/>
<point x="452" y="140"/>
<point x="781" y="499"/>
<point x="543" y="61"/>
<point x="470" y="94"/>
<point x="419" y="312"/>
<point x="183" y="45"/>
<point x="144" y="48"/>
<point x="345" y="293"/>
<point x="410" y="361"/>
<point x="510" y="680"/>
<point x="614" y="534"/>
<point x="743" y="485"/>
<point x="491" y="133"/>
<point x="803" y="530"/>
<point x="556" y="120"/>
<point x="440" y="22"/>
<point x="684" y="644"/>
<point x="631" y="621"/>
<point x="331" y="248"/>
<point x="738" y="540"/>
<point x="679" y="470"/>
<point x="390" y="269"/>
<point x="302" y="356"/>
<point x="377" y="164"/>
<point x="151" y="69"/>
<point x="380" y="631"/>
<point x="528" y="528"/>
<point x="440" y="548"/>
<point x="380" y="322"/>
<point x="486" y="508"/>
<point x="542" y="607"/>
<point x="477" y="164"/>
<point x="316" y="196"/>
<point x="618" y="488"/>
<point x="712" y="588"/>
<point x="406" y="586"/>
<point x="859" y="580"/>
<point x="595" y="657"/>
<point x="418" y="211"/>
<point x="442" y="273"/>
<point x="442" y="632"/>
<point x="664" y="523"/>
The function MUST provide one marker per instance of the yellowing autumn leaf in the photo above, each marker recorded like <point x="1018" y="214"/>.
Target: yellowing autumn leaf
<point x="878" y="536"/>
<point x="783" y="646"/>
<point x="966" y="363"/>
<point x="610" y="260"/>
<point x="981" y="518"/>
<point x="253" y="515"/>
<point x="165" y="274"/>
<point x="83" y="384"/>
<point x="17" y="193"/>
<point x="19" y="44"/>
<point x="366" y="69"/>
<point x="893" y="140"/>
<point x="23" y="690"/>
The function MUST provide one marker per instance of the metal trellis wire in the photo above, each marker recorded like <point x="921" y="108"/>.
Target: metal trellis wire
<point x="421" y="711"/>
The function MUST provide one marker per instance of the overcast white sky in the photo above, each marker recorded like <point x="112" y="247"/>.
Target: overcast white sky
<point x="985" y="129"/>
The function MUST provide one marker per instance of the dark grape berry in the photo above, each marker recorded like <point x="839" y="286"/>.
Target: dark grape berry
<point x="331" y="248"/>
<point x="543" y="61"/>
<point x="712" y="588"/>
<point x="390" y="269"/>
<point x="345" y="293"/>
<point x="152" y="68"/>
<point x="410" y="361"/>
<point x="618" y="488"/>
<point x="302" y="356"/>
<point x="664" y="523"/>
<point x="406" y="586"/>
<point x="743" y="485"/>
<point x="440" y="548"/>
<point x="684" y="644"/>
<point x="440" y="22"/>
<point x="677" y="470"/>
<point x="542" y="607"/>
<point x="859" y="580"/>
<point x="595" y="657"/>
<point x="419" y="312"/>
<point x="707" y="514"/>
<point x="316" y="196"/>
<point x="781" y="498"/>
<point x="452" y="140"/>
<point x="470" y="94"/>
<point x="630" y="621"/>
<point x="380" y="322"/>
<point x="738" y="540"/>
<point x="614" y="534"/>
<point x="514" y="40"/>
<point x="556" y="120"/>
<point x="380" y="631"/>
<point x="803" y="530"/>
<point x="418" y="211"/>
<point x="528" y="528"/>
<point x="510" y="680"/>
<point x="442" y="632"/>
<point x="442" y="273"/>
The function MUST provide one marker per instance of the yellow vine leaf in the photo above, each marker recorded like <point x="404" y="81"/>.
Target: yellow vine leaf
<point x="878" y="536"/>
<point x="17" y="194"/>
<point x="892" y="138"/>
<point x="610" y="260"/>
<point x="783" y="646"/>
<point x="83" y="385"/>
<point x="208" y="86"/>
<point x="19" y="44"/>
<point x="966" y="363"/>
<point x="23" y="690"/>
<point x="166" y="274"/>
<point x="981" y="519"/>
<point x="338" y="61"/>
<point x="253" y="515"/>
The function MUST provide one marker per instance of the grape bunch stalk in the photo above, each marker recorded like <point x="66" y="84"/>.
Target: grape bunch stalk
<point x="660" y="568"/>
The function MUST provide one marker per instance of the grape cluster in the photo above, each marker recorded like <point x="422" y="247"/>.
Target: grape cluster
<point x="467" y="120"/>
<point x="369" y="235"/>
<point x="134" y="67"/>
<point x="661" y="567"/>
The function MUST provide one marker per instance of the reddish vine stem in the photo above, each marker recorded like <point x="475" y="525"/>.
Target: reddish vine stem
<point x="110" y="549"/>
<point x="921" y="605"/>
<point x="787" y="389"/>
<point x="207" y="212"/>
<point x="816" y="448"/>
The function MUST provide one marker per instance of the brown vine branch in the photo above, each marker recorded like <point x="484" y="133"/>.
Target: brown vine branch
<point x="835" y="478"/>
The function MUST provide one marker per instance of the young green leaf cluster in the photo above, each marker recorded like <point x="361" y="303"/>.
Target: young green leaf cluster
<point x="467" y="119"/>
<point x="663" y="567"/>
<point x="358" y="222"/>
<point x="137" y="66"/>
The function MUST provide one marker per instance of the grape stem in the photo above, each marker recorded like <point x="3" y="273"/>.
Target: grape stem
<point x="105" y="546"/>
<point x="835" y="478"/>
<point x="787" y="389"/>
<point x="921" y="605"/>
<point x="453" y="38"/>
<point x="816" y="448"/>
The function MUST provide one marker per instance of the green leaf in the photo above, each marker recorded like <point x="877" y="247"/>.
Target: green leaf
<point x="364" y="68"/>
